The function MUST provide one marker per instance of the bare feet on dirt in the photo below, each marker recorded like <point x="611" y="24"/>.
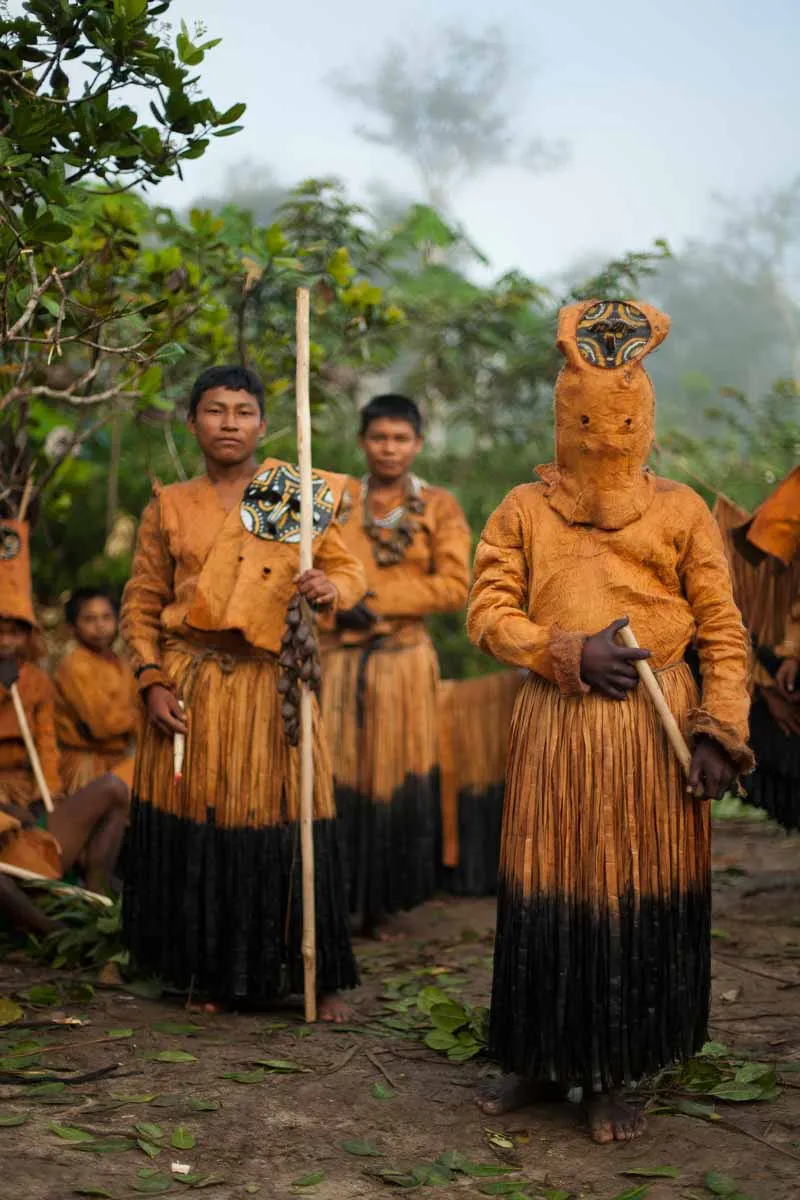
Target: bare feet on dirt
<point x="611" y="1119"/>
<point x="511" y="1092"/>
<point x="334" y="1009"/>
<point x="203" y="1006"/>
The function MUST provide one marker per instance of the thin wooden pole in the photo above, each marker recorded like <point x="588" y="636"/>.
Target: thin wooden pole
<point x="63" y="889"/>
<point x="30" y="746"/>
<point x="306" y="713"/>
<point x="653" y="689"/>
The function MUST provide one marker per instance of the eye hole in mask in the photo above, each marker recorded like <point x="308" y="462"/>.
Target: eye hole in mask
<point x="584" y="420"/>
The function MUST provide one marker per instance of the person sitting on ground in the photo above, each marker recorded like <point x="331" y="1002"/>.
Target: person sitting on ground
<point x="97" y="699"/>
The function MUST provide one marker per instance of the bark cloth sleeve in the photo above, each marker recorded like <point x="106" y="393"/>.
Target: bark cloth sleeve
<point x="446" y="588"/>
<point x="790" y="646"/>
<point x="147" y="593"/>
<point x="341" y="567"/>
<point x="497" y="619"/>
<point x="40" y="701"/>
<point x="721" y="640"/>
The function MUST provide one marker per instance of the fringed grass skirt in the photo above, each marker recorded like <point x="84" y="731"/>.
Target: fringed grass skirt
<point x="602" y="959"/>
<point x="379" y="706"/>
<point x="775" y="784"/>
<point x="212" y="896"/>
<point x="474" y="726"/>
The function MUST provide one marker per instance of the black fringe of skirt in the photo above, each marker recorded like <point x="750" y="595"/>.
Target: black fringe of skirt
<point x="390" y="851"/>
<point x="581" y="999"/>
<point x="480" y="820"/>
<point x="775" y="785"/>
<point x="206" y="907"/>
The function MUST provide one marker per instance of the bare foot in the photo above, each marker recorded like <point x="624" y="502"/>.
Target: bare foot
<point x="610" y="1119"/>
<point x="203" y="1006"/>
<point x="511" y="1092"/>
<point x="333" y="1009"/>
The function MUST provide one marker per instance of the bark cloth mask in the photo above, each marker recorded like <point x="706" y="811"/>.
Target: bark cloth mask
<point x="604" y="413"/>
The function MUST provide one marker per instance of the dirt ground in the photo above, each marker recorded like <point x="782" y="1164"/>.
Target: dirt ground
<point x="377" y="1085"/>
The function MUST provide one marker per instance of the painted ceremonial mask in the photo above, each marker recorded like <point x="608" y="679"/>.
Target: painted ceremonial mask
<point x="604" y="413"/>
<point x="270" y="507"/>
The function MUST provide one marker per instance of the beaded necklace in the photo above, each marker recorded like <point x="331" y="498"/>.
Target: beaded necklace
<point x="394" y="533"/>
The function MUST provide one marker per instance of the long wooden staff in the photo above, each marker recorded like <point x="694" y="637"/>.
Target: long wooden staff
<point x="306" y="715"/>
<point x="63" y="889"/>
<point x="9" y="674"/>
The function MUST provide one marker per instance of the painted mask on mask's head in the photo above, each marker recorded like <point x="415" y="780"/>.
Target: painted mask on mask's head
<point x="270" y="507"/>
<point x="604" y="412"/>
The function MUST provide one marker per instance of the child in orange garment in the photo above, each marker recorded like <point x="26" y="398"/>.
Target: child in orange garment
<point x="97" y="698"/>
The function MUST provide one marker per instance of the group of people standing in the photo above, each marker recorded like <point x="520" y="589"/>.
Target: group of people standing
<point x="602" y="960"/>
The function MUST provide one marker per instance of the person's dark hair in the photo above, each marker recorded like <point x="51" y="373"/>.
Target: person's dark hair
<point x="399" y="408"/>
<point x="235" y="379"/>
<point x="81" y="596"/>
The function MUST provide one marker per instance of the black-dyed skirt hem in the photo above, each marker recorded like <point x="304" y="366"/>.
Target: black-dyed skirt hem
<point x="219" y="911"/>
<point x="480" y="819"/>
<point x="775" y="785"/>
<point x="390" y="850"/>
<point x="583" y="997"/>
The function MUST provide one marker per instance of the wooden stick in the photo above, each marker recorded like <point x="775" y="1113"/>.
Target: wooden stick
<point x="178" y="751"/>
<point x="66" y="889"/>
<point x="306" y="714"/>
<point x="33" y="755"/>
<point x="26" y="497"/>
<point x="676" y="738"/>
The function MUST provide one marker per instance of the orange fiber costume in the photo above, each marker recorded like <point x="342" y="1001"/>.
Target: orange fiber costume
<point x="602" y="958"/>
<point x="17" y="782"/>
<point x="766" y="587"/>
<point x="379" y="698"/>
<point x="474" y="723"/>
<point x="213" y="891"/>
<point x="97" y="715"/>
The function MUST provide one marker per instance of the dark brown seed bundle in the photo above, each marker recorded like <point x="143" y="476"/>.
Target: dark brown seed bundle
<point x="299" y="664"/>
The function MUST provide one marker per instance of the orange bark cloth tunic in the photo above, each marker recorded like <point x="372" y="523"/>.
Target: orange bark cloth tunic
<point x="213" y="890"/>
<point x="31" y="849"/>
<point x="602" y="959"/>
<point x="380" y="700"/>
<point x="17" y="783"/>
<point x="97" y="714"/>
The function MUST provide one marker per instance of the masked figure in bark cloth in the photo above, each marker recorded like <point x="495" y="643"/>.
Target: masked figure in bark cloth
<point x="212" y="896"/>
<point x="380" y="668"/>
<point x="765" y="565"/>
<point x="602" y="957"/>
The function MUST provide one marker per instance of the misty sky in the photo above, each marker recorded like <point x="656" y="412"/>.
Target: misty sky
<point x="662" y="106"/>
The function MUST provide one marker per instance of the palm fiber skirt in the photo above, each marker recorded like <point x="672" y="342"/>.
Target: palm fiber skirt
<point x="602" y="958"/>
<point x="379" y="704"/>
<point x="212" y="896"/>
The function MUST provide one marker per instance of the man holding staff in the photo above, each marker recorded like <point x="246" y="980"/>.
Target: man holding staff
<point x="602" y="959"/>
<point x="213" y="895"/>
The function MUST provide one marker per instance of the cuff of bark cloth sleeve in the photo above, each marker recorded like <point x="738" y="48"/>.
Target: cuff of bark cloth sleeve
<point x="150" y="675"/>
<point x="702" y="722"/>
<point x="566" y="650"/>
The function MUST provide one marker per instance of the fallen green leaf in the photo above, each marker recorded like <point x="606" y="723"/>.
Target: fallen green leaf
<point x="149" y="1148"/>
<point x="720" y="1185"/>
<point x="119" y="1033"/>
<point x="361" y="1149"/>
<point x="198" y="1104"/>
<point x="88" y="1189"/>
<point x="500" y="1187"/>
<point x="280" y="1066"/>
<point x="311" y="1180"/>
<point x="381" y="1092"/>
<point x="182" y="1139"/>
<point x="172" y="1056"/>
<point x="44" y="995"/>
<point x="10" y="1011"/>
<point x="155" y="1185"/>
<point x="138" y="1098"/>
<point x="7" y="1120"/>
<point x="499" y="1140"/>
<point x="252" y="1188"/>
<point x="70" y="1134"/>
<point x="246" y="1076"/>
<point x="109" y="1145"/>
<point x="153" y="1133"/>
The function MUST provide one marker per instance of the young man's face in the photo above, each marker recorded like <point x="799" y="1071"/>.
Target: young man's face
<point x="96" y="624"/>
<point x="13" y="636"/>
<point x="228" y="426"/>
<point x="390" y="445"/>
